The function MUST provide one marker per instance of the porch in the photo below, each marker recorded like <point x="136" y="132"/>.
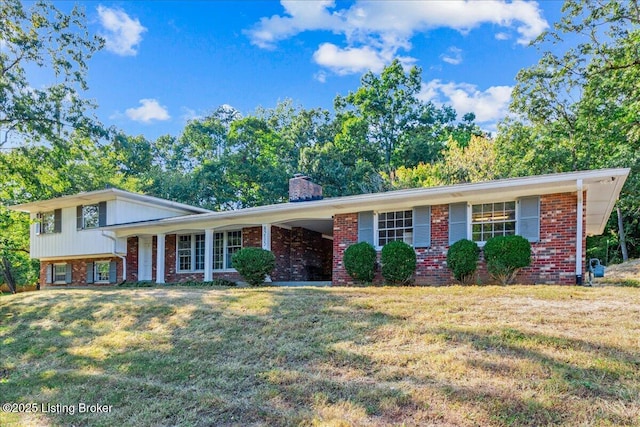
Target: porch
<point x="303" y="249"/>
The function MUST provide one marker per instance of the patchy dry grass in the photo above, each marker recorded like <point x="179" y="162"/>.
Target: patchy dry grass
<point x="624" y="274"/>
<point x="334" y="356"/>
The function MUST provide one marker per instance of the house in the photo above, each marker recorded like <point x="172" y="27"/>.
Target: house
<point x="109" y="236"/>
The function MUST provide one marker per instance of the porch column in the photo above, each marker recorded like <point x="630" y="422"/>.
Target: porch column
<point x="266" y="236"/>
<point x="266" y="243"/>
<point x="160" y="258"/>
<point x="579" y="233"/>
<point x="208" y="254"/>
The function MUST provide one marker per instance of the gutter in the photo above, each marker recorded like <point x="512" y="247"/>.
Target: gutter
<point x="123" y="257"/>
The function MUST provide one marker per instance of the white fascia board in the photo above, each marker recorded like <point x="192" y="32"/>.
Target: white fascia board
<point x="504" y="189"/>
<point x="606" y="191"/>
<point x="102" y="196"/>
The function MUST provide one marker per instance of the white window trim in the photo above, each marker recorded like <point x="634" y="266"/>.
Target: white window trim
<point x="53" y="274"/>
<point x="225" y="245"/>
<point x="95" y="271"/>
<point x="193" y="254"/>
<point x="470" y="218"/>
<point x="376" y="229"/>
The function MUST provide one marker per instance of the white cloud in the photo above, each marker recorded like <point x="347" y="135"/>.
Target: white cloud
<point x="453" y="56"/>
<point x="149" y="111"/>
<point x="489" y="106"/>
<point x="378" y="30"/>
<point x="123" y="34"/>
<point x="320" y="76"/>
<point x="350" y="60"/>
<point x="502" y="36"/>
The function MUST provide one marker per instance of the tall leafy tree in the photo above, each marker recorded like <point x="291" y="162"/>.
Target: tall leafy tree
<point x="58" y="46"/>
<point x="581" y="100"/>
<point x="389" y="106"/>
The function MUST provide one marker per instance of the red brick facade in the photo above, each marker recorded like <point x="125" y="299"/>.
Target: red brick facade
<point x="78" y="271"/>
<point x="281" y="248"/>
<point x="553" y="256"/>
<point x="345" y="233"/>
<point x="305" y="255"/>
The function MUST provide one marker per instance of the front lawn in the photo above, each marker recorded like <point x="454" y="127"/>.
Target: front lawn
<point x="537" y="355"/>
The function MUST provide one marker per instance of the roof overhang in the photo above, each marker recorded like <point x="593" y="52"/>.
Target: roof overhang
<point x="90" y="197"/>
<point x="603" y="188"/>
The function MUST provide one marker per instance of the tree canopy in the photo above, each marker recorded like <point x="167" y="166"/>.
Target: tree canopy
<point x="59" y="47"/>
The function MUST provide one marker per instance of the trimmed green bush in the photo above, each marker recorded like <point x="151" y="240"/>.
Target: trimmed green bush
<point x="253" y="264"/>
<point x="462" y="260"/>
<point x="398" y="263"/>
<point x="360" y="262"/>
<point x="505" y="256"/>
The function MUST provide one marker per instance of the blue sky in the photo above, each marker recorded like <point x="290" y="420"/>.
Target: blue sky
<point x="166" y="62"/>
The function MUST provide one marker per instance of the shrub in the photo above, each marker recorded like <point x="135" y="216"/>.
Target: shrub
<point x="360" y="261"/>
<point x="220" y="282"/>
<point x="253" y="264"/>
<point x="462" y="260"/>
<point x="138" y="284"/>
<point x="505" y="256"/>
<point x="398" y="262"/>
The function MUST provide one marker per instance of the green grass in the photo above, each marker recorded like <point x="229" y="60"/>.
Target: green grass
<point x="502" y="356"/>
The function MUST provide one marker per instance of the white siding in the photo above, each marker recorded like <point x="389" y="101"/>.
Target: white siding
<point x="131" y="211"/>
<point x="71" y="242"/>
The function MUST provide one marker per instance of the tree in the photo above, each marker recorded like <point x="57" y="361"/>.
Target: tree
<point x="388" y="104"/>
<point x="59" y="46"/>
<point x="474" y="162"/>
<point x="581" y="102"/>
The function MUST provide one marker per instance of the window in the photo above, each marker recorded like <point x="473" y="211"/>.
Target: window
<point x="184" y="253"/>
<point x="199" y="254"/>
<point x="90" y="216"/>
<point x="59" y="273"/>
<point x="101" y="271"/>
<point x="218" y="251"/>
<point x="49" y="222"/>
<point x="191" y="252"/>
<point x="395" y="226"/>
<point x="234" y="244"/>
<point x="225" y="244"/>
<point x="492" y="219"/>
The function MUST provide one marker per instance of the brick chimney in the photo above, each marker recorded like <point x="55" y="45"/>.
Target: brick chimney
<point x="301" y="189"/>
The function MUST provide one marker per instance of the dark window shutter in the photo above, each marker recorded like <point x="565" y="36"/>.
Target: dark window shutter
<point x="48" y="274"/>
<point x="79" y="222"/>
<point x="89" y="272"/>
<point x="68" y="274"/>
<point x="529" y="218"/>
<point x="102" y="214"/>
<point x="38" y="223"/>
<point x="421" y="226"/>
<point x="113" y="276"/>
<point x="57" y="224"/>
<point x="457" y="222"/>
<point x="365" y="227"/>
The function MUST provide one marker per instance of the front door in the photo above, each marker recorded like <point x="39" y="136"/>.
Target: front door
<point x="145" y="258"/>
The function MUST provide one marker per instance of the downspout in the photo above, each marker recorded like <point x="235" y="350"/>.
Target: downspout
<point x="122" y="257"/>
<point x="579" y="233"/>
